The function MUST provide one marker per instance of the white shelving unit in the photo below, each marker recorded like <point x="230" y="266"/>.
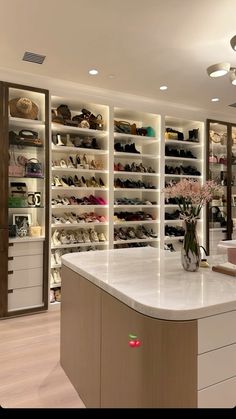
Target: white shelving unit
<point x="78" y="200"/>
<point x="185" y="156"/>
<point x="144" y="160"/>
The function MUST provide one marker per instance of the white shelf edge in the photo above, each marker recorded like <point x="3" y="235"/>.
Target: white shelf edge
<point x="65" y="246"/>
<point x="25" y="239"/>
<point x="56" y="266"/>
<point x="26" y="122"/>
<point x="68" y="169"/>
<point x="78" y="225"/>
<point x="55" y="286"/>
<point x="179" y="142"/>
<point x="183" y="159"/>
<point x="183" y="176"/>
<point x="136" y="189"/>
<point x="77" y="150"/>
<point x="124" y="223"/>
<point x="80" y="206"/>
<point x="136" y="173"/>
<point x="175" y="238"/>
<point x="136" y="241"/>
<point x="77" y="188"/>
<point x="55" y="127"/>
<point x="135" y="155"/>
<point x="137" y="206"/>
<point x="142" y="138"/>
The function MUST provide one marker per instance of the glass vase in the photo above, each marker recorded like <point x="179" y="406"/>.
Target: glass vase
<point x="190" y="253"/>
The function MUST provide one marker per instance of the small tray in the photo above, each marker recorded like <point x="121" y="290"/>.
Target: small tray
<point x="223" y="270"/>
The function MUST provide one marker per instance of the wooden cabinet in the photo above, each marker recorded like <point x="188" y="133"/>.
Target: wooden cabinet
<point x="24" y="199"/>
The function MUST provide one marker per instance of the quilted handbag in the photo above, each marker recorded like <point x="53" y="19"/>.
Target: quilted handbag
<point x="33" y="168"/>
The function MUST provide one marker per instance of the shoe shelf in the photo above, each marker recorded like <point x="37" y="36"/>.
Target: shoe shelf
<point x="78" y="188"/>
<point x="78" y="206"/>
<point x="183" y="159"/>
<point x="69" y="144"/>
<point x="67" y="129"/>
<point x="135" y="155"/>
<point x="137" y="206"/>
<point x="183" y="176"/>
<point x="183" y="143"/>
<point x="77" y="150"/>
<point x="70" y="245"/>
<point x="23" y="123"/>
<point x="136" y="173"/>
<point x="137" y="241"/>
<point x="74" y="170"/>
<point x="135" y="190"/>
<point x="78" y="225"/>
<point x="137" y="139"/>
<point x="124" y="223"/>
<point x="175" y="238"/>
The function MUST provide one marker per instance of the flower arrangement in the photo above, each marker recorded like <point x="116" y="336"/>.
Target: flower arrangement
<point x="191" y="196"/>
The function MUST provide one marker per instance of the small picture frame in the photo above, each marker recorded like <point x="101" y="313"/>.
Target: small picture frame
<point x="233" y="200"/>
<point x="22" y="222"/>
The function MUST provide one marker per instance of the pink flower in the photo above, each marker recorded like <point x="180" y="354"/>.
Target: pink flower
<point x="191" y="196"/>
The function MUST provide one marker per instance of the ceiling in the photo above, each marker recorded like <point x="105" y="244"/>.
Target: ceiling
<point x="143" y="43"/>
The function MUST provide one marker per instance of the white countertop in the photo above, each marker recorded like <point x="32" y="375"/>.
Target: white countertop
<point x="154" y="283"/>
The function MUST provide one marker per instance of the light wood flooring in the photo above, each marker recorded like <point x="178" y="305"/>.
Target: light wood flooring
<point x="30" y="372"/>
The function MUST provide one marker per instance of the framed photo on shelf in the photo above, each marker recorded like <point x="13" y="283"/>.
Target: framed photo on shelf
<point x="22" y="222"/>
<point x="233" y="200"/>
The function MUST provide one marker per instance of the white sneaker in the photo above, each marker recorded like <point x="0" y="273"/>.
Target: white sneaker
<point x="52" y="260"/>
<point x="55" y="238"/>
<point x="57" y="256"/>
<point x="57" y="278"/>
<point x="52" y="280"/>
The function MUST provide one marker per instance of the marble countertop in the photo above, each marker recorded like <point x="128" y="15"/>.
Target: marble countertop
<point x="153" y="282"/>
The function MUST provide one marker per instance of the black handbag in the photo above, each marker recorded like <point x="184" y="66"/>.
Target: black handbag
<point x="33" y="168"/>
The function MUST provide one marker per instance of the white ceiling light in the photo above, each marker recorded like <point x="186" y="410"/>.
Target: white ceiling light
<point x="93" y="72"/>
<point x="233" y="42"/>
<point x="215" y="99"/>
<point x="163" y="87"/>
<point x="218" y="70"/>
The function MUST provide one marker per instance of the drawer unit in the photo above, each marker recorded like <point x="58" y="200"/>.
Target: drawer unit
<point x="216" y="366"/>
<point x="27" y="248"/>
<point x="219" y="395"/>
<point x="216" y="331"/>
<point x="25" y="278"/>
<point x="25" y="298"/>
<point x="25" y="262"/>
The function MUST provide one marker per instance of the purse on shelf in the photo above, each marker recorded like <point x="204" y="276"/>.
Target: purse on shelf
<point x="124" y="127"/>
<point x="25" y="138"/>
<point x="15" y="168"/>
<point x="172" y="134"/>
<point x="33" y="168"/>
<point x="223" y="160"/>
<point x="213" y="158"/>
<point x="17" y="195"/>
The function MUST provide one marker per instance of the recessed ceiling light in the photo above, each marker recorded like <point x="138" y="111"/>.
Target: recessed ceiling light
<point x="163" y="87"/>
<point x="111" y="76"/>
<point x="218" y="70"/>
<point x="215" y="99"/>
<point x="93" y="72"/>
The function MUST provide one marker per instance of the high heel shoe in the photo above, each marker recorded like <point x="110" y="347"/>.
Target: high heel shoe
<point x="64" y="182"/>
<point x="63" y="164"/>
<point x="59" y="141"/>
<point x="57" y="181"/>
<point x="71" y="164"/>
<point x="84" y="162"/>
<point x="55" y="238"/>
<point x="77" y="182"/>
<point x="101" y="183"/>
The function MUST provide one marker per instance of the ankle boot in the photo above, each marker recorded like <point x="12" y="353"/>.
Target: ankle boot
<point x="196" y="135"/>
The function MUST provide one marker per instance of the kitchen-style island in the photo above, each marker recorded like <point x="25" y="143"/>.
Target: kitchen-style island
<point x="139" y="331"/>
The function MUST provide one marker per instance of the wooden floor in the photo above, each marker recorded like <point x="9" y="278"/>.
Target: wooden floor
<point x="30" y="373"/>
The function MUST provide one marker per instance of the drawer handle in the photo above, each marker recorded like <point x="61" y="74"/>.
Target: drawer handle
<point x="10" y="291"/>
<point x="10" y="272"/>
<point x="11" y="244"/>
<point x="11" y="258"/>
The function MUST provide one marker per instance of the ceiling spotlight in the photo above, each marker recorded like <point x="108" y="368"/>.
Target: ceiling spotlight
<point x="163" y="87"/>
<point x="218" y="70"/>
<point x="93" y="72"/>
<point x="215" y="99"/>
<point x="233" y="42"/>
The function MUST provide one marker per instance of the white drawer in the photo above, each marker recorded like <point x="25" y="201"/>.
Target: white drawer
<point x="25" y="262"/>
<point x="25" y="278"/>
<point x="216" y="366"/>
<point x="28" y="248"/>
<point x="220" y="395"/>
<point x="25" y="298"/>
<point x="216" y="331"/>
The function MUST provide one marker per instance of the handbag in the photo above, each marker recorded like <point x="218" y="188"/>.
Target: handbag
<point x="33" y="168"/>
<point x="25" y="138"/>
<point x="14" y="169"/>
<point x="124" y="127"/>
<point x="18" y="195"/>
